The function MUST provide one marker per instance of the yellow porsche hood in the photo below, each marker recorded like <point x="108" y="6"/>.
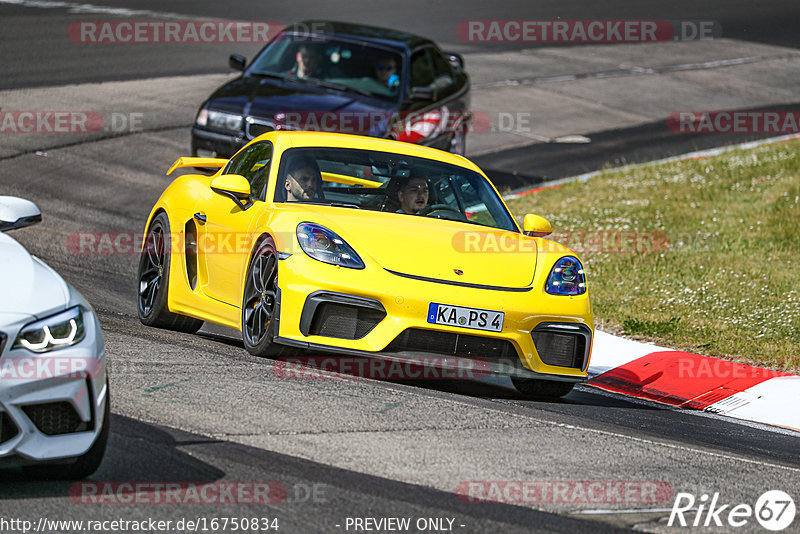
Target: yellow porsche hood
<point x="431" y="248"/>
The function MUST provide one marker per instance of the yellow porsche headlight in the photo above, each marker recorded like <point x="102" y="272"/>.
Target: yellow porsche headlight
<point x="566" y="278"/>
<point x="325" y="246"/>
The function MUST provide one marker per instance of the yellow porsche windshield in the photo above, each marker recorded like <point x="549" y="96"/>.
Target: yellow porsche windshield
<point x="382" y="181"/>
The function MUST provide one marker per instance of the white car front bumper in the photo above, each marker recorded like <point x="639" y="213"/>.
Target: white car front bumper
<point x="52" y="404"/>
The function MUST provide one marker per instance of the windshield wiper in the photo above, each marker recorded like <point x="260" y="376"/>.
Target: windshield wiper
<point x="270" y="75"/>
<point x="338" y="86"/>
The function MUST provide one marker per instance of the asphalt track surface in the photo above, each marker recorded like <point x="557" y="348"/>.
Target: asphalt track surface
<point x="34" y="51"/>
<point x="200" y="409"/>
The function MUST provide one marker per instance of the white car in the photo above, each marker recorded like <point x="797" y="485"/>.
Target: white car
<point x="54" y="396"/>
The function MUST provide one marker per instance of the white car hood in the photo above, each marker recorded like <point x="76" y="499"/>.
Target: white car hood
<point x="27" y="284"/>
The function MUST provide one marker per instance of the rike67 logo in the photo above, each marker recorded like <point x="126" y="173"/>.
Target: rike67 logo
<point x="774" y="510"/>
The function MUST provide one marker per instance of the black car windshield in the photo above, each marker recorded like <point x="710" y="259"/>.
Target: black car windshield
<point x="339" y="64"/>
<point x="394" y="183"/>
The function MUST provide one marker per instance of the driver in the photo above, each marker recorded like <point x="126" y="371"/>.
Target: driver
<point x="303" y="179"/>
<point x="308" y="64"/>
<point x="413" y="195"/>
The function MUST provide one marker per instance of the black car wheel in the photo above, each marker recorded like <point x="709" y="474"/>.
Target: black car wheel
<point x="154" y="267"/>
<point x="531" y="387"/>
<point x="260" y="303"/>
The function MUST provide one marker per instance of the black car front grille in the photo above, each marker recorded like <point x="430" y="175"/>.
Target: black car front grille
<point x="342" y="321"/>
<point x="8" y="430"/>
<point x="54" y="418"/>
<point x="561" y="348"/>
<point x="452" y="344"/>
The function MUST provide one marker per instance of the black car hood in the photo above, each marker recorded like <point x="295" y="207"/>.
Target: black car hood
<point x="264" y="98"/>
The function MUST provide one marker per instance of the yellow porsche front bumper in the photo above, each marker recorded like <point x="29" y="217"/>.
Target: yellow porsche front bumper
<point x="375" y="311"/>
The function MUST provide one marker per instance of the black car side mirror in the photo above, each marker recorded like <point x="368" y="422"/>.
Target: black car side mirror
<point x="237" y="62"/>
<point x="422" y="93"/>
<point x="456" y="60"/>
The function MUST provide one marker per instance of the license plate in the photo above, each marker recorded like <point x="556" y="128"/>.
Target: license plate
<point x="475" y="318"/>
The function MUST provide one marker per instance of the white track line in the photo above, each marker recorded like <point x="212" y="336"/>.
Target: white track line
<point x="680" y="157"/>
<point x="77" y="8"/>
<point x="634" y="71"/>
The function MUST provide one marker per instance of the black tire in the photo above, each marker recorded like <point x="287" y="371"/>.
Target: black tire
<point x="259" y="303"/>
<point x="84" y="465"/>
<point x="532" y="387"/>
<point x="154" y="267"/>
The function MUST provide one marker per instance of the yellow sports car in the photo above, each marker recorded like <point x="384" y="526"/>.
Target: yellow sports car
<point x="367" y="248"/>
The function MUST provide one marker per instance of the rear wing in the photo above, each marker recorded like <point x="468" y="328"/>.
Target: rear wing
<point x="349" y="180"/>
<point x="211" y="163"/>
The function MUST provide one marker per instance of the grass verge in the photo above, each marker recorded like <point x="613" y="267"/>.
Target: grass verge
<point x="699" y="255"/>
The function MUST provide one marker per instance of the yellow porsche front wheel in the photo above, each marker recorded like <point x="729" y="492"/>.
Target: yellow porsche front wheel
<point x="260" y="303"/>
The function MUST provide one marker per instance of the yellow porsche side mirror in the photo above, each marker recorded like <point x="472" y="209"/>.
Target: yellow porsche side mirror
<point x="234" y="186"/>
<point x="536" y="226"/>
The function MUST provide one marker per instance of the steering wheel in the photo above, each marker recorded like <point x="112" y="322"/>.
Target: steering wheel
<point x="433" y="208"/>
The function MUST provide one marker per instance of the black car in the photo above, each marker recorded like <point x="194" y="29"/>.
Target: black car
<point x="340" y="77"/>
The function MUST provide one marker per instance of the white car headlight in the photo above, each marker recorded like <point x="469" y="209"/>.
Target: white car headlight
<point x="57" y="331"/>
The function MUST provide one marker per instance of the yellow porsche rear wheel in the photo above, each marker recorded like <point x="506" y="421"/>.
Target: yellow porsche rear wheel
<point x="154" y="267"/>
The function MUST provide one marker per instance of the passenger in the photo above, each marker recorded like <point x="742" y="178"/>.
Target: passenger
<point x="413" y="195"/>
<point x="386" y="72"/>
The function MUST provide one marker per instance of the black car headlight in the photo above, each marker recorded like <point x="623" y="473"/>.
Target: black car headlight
<point x="324" y="245"/>
<point x="566" y="278"/>
<point x="219" y="120"/>
<point x="55" y="332"/>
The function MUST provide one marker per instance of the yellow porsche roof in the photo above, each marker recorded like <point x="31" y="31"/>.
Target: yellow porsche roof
<point x="338" y="140"/>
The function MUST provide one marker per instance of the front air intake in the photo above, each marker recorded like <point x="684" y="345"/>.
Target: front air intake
<point x="345" y="322"/>
<point x="54" y="418"/>
<point x="8" y="430"/>
<point x="452" y="344"/>
<point x="562" y="345"/>
<point x="338" y="315"/>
